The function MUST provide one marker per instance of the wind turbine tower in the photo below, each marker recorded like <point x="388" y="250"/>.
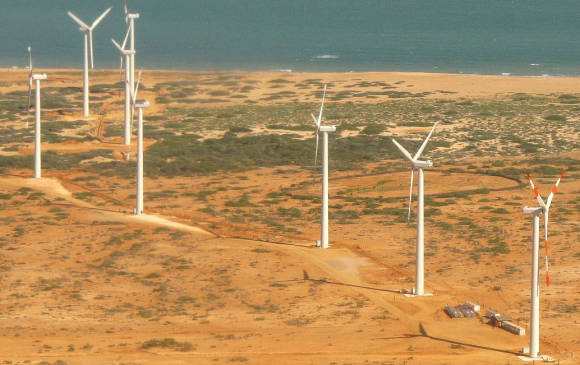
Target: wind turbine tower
<point x="324" y="129"/>
<point x="37" y="162"/>
<point x="544" y="208"/>
<point x="418" y="165"/>
<point x="140" y="104"/>
<point x="88" y="42"/>
<point x="127" y="55"/>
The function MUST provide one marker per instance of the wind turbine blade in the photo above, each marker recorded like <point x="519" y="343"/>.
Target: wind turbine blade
<point x="91" y="48"/>
<point x="547" y="266"/>
<point x="126" y="37"/>
<point x="137" y="87"/>
<point x="100" y="19"/>
<point x="135" y="97"/>
<point x="546" y="224"/>
<point x="410" y="196"/>
<point x="29" y="101"/>
<point x="554" y="190"/>
<point x="117" y="45"/>
<point x="321" y="107"/>
<point x="126" y="10"/>
<point x="536" y="192"/>
<point x="79" y="22"/>
<point x="403" y="150"/>
<point x="418" y="154"/>
<point x="29" y="85"/>
<point x="121" y="68"/>
<point x="316" y="151"/>
<point x="122" y="56"/>
<point x="30" y="59"/>
<point x="314" y="119"/>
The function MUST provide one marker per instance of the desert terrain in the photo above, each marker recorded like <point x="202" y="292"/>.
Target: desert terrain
<point x="223" y="268"/>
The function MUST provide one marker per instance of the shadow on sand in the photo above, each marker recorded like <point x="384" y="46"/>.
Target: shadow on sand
<point x="324" y="281"/>
<point x="453" y="342"/>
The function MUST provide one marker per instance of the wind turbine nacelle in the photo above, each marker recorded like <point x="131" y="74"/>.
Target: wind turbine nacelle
<point x="39" y="77"/>
<point x="133" y="15"/>
<point x="532" y="210"/>
<point x="327" y="128"/>
<point x="422" y="164"/>
<point x="141" y="103"/>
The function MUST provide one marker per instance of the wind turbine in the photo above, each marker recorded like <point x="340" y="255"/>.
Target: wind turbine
<point x="88" y="41"/>
<point x="30" y="72"/>
<point x="418" y="165"/>
<point x="128" y="98"/>
<point x="325" y="130"/>
<point x="544" y="208"/>
<point x="130" y="20"/>
<point x="37" y="161"/>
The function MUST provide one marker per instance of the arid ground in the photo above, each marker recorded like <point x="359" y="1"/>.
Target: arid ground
<point x="223" y="268"/>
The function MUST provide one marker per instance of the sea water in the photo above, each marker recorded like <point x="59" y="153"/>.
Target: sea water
<point x="518" y="37"/>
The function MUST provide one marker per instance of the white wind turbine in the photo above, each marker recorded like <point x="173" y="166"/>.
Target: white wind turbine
<point x="37" y="109"/>
<point x="88" y="41"/>
<point x="544" y="208"/>
<point x="418" y="165"/>
<point x="126" y="54"/>
<point x="325" y="130"/>
<point x="130" y="21"/>
<point x="30" y="72"/>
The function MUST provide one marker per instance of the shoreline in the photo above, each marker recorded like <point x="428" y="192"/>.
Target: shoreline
<point x="379" y="84"/>
<point x="290" y="71"/>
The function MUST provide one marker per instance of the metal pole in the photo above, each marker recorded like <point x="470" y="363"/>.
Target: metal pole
<point x="324" y="225"/>
<point x="139" y="209"/>
<point x="37" y="151"/>
<point x="127" y="101"/>
<point x="420" y="271"/>
<point x="535" y="310"/>
<point x="86" y="78"/>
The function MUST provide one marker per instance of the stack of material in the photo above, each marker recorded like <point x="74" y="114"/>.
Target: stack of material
<point x="491" y="313"/>
<point x="513" y="328"/>
<point x="497" y="320"/>
<point x="475" y="307"/>
<point x="453" y="312"/>
<point x="467" y="309"/>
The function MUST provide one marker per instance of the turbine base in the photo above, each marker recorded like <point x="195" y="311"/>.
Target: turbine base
<point x="544" y="358"/>
<point x="411" y="294"/>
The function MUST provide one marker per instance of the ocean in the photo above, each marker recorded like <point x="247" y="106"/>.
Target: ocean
<point x="518" y="37"/>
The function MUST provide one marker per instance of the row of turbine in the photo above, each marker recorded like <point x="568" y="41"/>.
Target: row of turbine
<point x="131" y="92"/>
<point x="127" y="56"/>
<point x="418" y="165"/>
